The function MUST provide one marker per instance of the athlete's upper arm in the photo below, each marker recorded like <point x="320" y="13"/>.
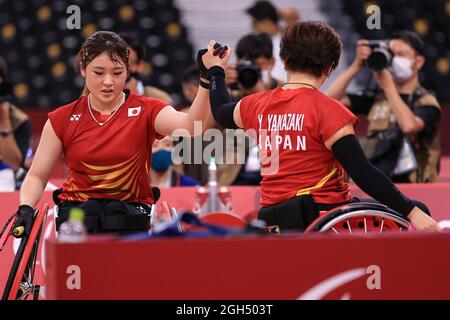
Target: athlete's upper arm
<point x="342" y="132"/>
<point x="168" y="120"/>
<point x="47" y="154"/>
<point x="237" y="115"/>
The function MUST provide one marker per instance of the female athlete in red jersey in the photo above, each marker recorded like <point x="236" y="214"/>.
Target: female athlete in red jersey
<point x="106" y="138"/>
<point x="306" y="139"/>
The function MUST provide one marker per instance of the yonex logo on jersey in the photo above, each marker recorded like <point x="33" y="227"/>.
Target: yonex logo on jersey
<point x="75" y="117"/>
<point x="133" y="112"/>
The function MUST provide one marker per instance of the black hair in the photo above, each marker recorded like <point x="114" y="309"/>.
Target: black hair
<point x="191" y="75"/>
<point x="103" y="41"/>
<point x="133" y="42"/>
<point x="310" y="46"/>
<point x="412" y="39"/>
<point x="255" y="45"/>
<point x="262" y="10"/>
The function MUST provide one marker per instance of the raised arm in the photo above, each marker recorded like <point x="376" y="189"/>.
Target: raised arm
<point x="169" y="119"/>
<point x="338" y="87"/>
<point x="225" y="112"/>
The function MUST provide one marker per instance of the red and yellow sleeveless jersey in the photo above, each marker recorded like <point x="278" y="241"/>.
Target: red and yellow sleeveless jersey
<point x="291" y="127"/>
<point x="110" y="161"/>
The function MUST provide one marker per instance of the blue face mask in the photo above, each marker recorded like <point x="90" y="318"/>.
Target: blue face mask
<point x="161" y="160"/>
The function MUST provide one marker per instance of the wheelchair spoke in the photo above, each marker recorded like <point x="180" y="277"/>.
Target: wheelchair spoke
<point x="366" y="220"/>
<point x="25" y="289"/>
<point x="365" y="224"/>
<point x="349" y="227"/>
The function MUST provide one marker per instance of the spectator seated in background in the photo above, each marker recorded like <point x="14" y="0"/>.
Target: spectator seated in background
<point x="162" y="174"/>
<point x="404" y="118"/>
<point x="15" y="134"/>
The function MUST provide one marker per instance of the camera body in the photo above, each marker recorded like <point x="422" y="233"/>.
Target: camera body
<point x="248" y="73"/>
<point x="381" y="56"/>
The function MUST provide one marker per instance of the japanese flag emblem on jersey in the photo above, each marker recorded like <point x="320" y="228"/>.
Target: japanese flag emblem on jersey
<point x="134" y="112"/>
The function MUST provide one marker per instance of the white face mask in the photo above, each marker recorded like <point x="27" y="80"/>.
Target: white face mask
<point x="401" y="69"/>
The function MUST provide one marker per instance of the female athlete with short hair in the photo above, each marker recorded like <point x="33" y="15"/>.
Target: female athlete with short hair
<point x="106" y="138"/>
<point x="306" y="139"/>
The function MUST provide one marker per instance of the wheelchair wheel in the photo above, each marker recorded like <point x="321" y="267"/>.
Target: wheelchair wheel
<point x="20" y="284"/>
<point x="359" y="218"/>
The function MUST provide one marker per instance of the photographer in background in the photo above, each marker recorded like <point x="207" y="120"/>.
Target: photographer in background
<point x="252" y="72"/>
<point x="268" y="19"/>
<point x="404" y="118"/>
<point x="15" y="134"/>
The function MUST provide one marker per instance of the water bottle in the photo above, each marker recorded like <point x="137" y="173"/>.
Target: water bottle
<point x="73" y="230"/>
<point x="213" y="199"/>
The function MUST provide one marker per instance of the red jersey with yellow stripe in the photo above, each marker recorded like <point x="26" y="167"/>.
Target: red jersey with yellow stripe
<point x="112" y="160"/>
<point x="291" y="126"/>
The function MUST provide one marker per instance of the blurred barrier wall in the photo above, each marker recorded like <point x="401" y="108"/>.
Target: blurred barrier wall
<point x="245" y="203"/>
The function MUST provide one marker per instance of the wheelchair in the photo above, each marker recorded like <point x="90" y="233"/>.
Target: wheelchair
<point x="359" y="217"/>
<point x="20" y="282"/>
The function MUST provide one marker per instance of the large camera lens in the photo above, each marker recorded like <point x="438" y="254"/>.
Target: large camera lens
<point x="379" y="59"/>
<point x="381" y="56"/>
<point x="248" y="73"/>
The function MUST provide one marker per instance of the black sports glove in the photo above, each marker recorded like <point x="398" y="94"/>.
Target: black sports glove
<point x="25" y="218"/>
